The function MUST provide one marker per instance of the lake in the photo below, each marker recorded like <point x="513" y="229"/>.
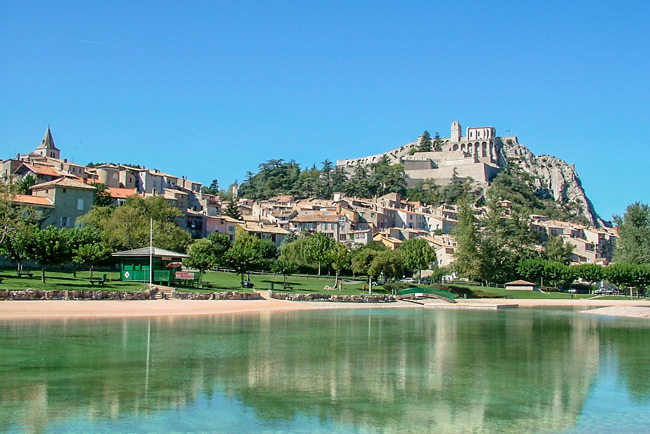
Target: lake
<point x="348" y="371"/>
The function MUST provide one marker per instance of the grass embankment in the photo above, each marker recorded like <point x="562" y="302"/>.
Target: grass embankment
<point x="220" y="281"/>
<point x="214" y="281"/>
<point x="487" y="292"/>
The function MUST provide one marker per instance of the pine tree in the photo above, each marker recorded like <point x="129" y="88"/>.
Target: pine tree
<point x="232" y="210"/>
<point x="425" y="142"/>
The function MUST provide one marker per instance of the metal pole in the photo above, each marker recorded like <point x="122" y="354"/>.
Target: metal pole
<point x="151" y="254"/>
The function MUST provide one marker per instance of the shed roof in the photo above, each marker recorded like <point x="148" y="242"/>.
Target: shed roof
<point x="144" y="252"/>
<point x="520" y="283"/>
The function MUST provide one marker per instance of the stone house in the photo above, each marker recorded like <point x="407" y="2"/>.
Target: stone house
<point x="72" y="199"/>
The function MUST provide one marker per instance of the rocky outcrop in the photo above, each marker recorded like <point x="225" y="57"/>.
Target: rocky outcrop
<point x="554" y="178"/>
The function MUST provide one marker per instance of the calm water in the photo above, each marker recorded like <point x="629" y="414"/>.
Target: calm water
<point x="403" y="370"/>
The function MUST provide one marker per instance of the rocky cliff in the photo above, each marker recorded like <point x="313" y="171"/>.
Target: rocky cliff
<point x="553" y="177"/>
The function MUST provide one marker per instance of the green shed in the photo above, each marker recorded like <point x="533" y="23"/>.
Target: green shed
<point x="134" y="264"/>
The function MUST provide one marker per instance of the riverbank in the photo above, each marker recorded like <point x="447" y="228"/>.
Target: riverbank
<point x="51" y="309"/>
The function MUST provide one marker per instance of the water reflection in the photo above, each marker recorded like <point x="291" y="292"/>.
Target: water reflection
<point x="407" y="370"/>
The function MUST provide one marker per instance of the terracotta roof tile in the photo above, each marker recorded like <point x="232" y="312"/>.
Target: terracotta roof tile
<point x="33" y="200"/>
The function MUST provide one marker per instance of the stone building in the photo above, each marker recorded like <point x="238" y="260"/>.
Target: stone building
<point x="476" y="155"/>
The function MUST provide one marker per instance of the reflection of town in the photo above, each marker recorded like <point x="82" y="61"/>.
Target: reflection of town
<point x="393" y="371"/>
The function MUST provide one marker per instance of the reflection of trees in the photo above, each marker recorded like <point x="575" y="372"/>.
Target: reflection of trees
<point x="385" y="370"/>
<point x="629" y="340"/>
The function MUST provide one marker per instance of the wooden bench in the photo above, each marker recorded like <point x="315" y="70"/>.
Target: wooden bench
<point x="98" y="280"/>
<point x="25" y="273"/>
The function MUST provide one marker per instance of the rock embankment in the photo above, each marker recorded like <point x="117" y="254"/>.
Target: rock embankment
<point x="333" y="297"/>
<point x="35" y="294"/>
<point x="229" y="295"/>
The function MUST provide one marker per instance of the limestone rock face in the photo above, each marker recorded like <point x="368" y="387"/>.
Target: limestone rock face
<point x="553" y="176"/>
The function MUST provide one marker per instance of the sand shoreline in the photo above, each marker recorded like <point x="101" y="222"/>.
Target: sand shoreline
<point x="52" y="309"/>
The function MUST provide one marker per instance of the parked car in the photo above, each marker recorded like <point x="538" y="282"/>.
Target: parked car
<point x="408" y="280"/>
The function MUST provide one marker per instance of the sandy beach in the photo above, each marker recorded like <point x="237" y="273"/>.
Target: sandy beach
<point x="49" y="309"/>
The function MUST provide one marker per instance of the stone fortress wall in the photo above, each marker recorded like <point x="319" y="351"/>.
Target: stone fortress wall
<point x="477" y="155"/>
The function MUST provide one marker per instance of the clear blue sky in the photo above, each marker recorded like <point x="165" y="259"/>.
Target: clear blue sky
<point x="211" y="89"/>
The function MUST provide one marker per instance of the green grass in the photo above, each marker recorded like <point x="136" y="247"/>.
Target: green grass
<point x="220" y="281"/>
<point x="485" y="291"/>
<point x="65" y="281"/>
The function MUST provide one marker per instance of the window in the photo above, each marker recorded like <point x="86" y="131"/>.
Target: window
<point x="80" y="204"/>
<point x="64" y="221"/>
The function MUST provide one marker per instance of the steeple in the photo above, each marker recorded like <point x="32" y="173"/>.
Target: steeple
<point x="47" y="147"/>
<point x="48" y="141"/>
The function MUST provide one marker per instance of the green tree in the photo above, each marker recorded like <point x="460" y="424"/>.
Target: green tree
<point x="590" y="273"/>
<point x="16" y="243"/>
<point x="201" y="256"/>
<point x="417" y="255"/>
<point x="467" y="260"/>
<point x="220" y="244"/>
<point x="127" y="227"/>
<point x="633" y="244"/>
<point x="212" y="189"/>
<point x="532" y="269"/>
<point x="620" y="274"/>
<point x="78" y="237"/>
<point x="555" y="249"/>
<point x="11" y="216"/>
<point x="558" y="274"/>
<point x="437" y="142"/>
<point x="284" y="267"/>
<point x="91" y="254"/>
<point x="232" y="211"/>
<point x="245" y="253"/>
<point x="317" y="249"/>
<point x="388" y="262"/>
<point x="48" y="247"/>
<point x="296" y="252"/>
<point x="24" y="185"/>
<point x="425" y="142"/>
<point x="339" y="258"/>
<point x="102" y="196"/>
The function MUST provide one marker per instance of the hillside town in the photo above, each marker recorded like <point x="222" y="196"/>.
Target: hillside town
<point x="63" y="191"/>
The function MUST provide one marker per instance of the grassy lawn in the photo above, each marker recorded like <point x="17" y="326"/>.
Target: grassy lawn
<point x="484" y="291"/>
<point x="298" y="284"/>
<point x="65" y="281"/>
<point x="220" y="281"/>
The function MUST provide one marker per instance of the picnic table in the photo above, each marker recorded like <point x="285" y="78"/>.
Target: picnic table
<point x="97" y="280"/>
<point x="247" y="284"/>
<point x="25" y="273"/>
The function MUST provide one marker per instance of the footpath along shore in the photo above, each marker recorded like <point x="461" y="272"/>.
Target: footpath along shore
<point x="50" y="309"/>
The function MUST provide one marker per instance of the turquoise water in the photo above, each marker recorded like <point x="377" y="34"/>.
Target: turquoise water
<point x="401" y="370"/>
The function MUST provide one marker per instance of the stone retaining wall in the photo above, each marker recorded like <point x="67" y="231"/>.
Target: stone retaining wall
<point x="229" y="295"/>
<point x="333" y="297"/>
<point x="33" y="294"/>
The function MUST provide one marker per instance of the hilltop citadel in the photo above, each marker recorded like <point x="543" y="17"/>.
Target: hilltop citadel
<point x="64" y="191"/>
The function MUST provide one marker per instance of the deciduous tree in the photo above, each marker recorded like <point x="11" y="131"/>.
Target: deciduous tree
<point x="417" y="255"/>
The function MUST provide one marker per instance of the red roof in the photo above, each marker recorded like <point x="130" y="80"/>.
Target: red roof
<point x="42" y="170"/>
<point x="520" y="283"/>
<point x="121" y="193"/>
<point x="32" y="200"/>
